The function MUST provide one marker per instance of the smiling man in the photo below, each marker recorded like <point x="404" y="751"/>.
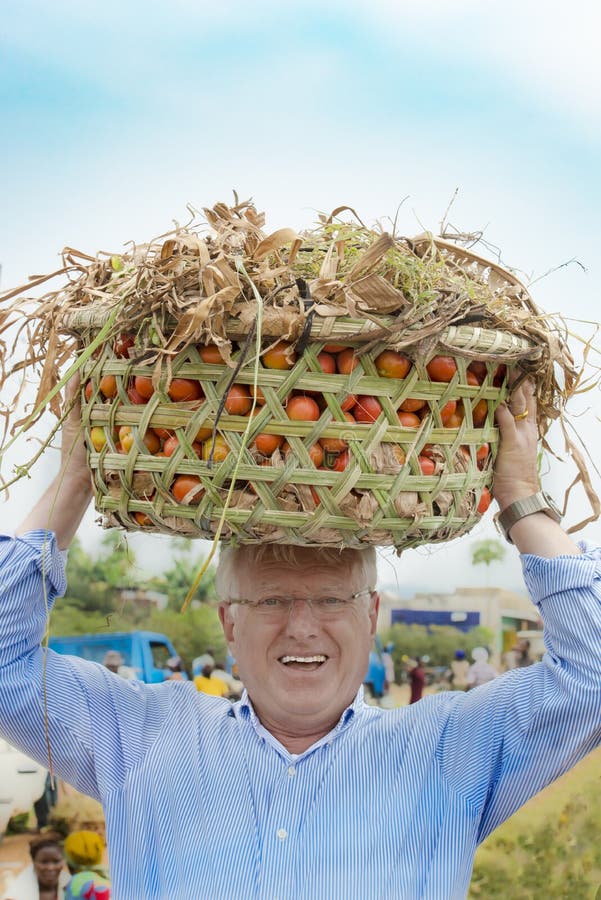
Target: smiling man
<point x="319" y="794"/>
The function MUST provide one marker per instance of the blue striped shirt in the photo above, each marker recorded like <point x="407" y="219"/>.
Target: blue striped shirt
<point x="202" y="802"/>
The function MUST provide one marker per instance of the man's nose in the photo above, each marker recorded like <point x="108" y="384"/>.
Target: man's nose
<point x="301" y="618"/>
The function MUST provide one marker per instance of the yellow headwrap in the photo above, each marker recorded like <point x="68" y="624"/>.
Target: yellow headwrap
<point x="84" y="848"/>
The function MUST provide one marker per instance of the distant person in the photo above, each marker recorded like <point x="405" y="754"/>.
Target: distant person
<point x="459" y="671"/>
<point x="114" y="662"/>
<point x="417" y="679"/>
<point x="46" y="877"/>
<point x="388" y="665"/>
<point x="84" y="850"/>
<point x="88" y="885"/>
<point x="234" y="685"/>
<point x="175" y="668"/>
<point x="481" y="670"/>
<point x="209" y="685"/>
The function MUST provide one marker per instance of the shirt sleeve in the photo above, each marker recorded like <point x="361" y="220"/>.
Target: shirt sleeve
<point x="95" y="725"/>
<point x="506" y="740"/>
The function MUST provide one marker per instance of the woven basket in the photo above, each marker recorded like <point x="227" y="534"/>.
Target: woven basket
<point x="382" y="497"/>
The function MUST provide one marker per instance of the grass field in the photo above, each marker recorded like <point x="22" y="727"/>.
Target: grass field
<point x="551" y="848"/>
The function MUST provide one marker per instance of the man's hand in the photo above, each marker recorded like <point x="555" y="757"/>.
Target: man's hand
<point x="516" y="465"/>
<point x="74" y="464"/>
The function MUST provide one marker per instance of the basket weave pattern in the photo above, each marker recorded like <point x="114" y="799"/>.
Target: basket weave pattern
<point x="381" y="497"/>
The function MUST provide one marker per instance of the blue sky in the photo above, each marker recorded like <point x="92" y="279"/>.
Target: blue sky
<point x="116" y="115"/>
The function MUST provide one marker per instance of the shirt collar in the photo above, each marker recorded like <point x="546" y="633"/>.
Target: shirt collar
<point x="244" y="710"/>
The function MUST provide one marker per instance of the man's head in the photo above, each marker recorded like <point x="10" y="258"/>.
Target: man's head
<point x="112" y="660"/>
<point x="47" y="856"/>
<point x="303" y="632"/>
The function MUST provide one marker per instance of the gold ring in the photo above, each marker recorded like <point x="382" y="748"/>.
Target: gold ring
<point x="522" y="415"/>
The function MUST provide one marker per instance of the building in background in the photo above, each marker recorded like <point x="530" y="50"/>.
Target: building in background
<point x="504" y="612"/>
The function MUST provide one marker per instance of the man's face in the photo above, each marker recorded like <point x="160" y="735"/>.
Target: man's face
<point x="290" y="695"/>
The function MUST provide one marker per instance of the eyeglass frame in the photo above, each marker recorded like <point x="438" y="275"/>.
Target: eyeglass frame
<point x="347" y="603"/>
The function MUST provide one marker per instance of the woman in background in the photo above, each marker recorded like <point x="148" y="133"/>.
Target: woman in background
<point x="46" y="877"/>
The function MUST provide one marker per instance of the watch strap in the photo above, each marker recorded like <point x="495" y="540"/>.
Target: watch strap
<point x="519" y="509"/>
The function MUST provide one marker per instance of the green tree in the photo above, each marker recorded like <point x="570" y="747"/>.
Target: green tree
<point x="487" y="552"/>
<point x="177" y="580"/>
<point x="439" y="642"/>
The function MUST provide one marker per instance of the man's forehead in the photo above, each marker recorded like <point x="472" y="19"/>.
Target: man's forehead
<point x="272" y="573"/>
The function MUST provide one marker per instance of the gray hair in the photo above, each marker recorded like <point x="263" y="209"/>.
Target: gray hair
<point x="297" y="557"/>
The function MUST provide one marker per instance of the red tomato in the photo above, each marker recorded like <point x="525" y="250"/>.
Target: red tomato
<point x="122" y="345"/>
<point x="336" y="445"/>
<point x="472" y="379"/>
<point x="485" y="501"/>
<point x="279" y="357"/>
<point x="185" y="485"/>
<point x="327" y="363"/>
<point x="266" y="444"/>
<point x="211" y="355"/>
<point x="479" y="413"/>
<point x="441" y="368"/>
<point x="448" y="410"/>
<point x="238" y="401"/>
<point x="341" y="461"/>
<point x="412" y="405"/>
<point x="182" y="389"/>
<point x="348" y="403"/>
<point x="142" y="518"/>
<point x="151" y="441"/>
<point x="479" y="369"/>
<point x="135" y="396"/>
<point x="454" y="421"/>
<point x="302" y="409"/>
<point x="108" y="386"/>
<point x="427" y="465"/>
<point x="347" y="360"/>
<point x="163" y="433"/>
<point x="258" y="394"/>
<point x="367" y="409"/>
<point x="89" y="390"/>
<point x="482" y="452"/>
<point x="144" y="386"/>
<point x="392" y="364"/>
<point x="334" y="348"/>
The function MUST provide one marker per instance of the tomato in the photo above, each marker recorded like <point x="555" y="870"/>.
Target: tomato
<point x="337" y="445"/>
<point x="327" y="363"/>
<point x="134" y="396"/>
<point x="341" y="461"/>
<point x="89" y="390"/>
<point x="484" y="501"/>
<point x="163" y="433"/>
<point x="448" y="410"/>
<point x="412" y="405"/>
<point x="187" y="489"/>
<point x="346" y="361"/>
<point x="408" y="420"/>
<point x="238" y="401"/>
<point x="144" y="386"/>
<point x="427" y="465"/>
<point x="334" y="348"/>
<point x="441" y="368"/>
<point x="472" y="379"/>
<point x="97" y="437"/>
<point x="122" y="345"/>
<point x="266" y="444"/>
<point x="142" y="518"/>
<point x="478" y="367"/>
<point x="279" y="356"/>
<point x="203" y="433"/>
<point x="500" y="375"/>
<point x="182" y="389"/>
<point x="482" y="452"/>
<point x="211" y="355"/>
<point x="392" y="364"/>
<point x="454" y="421"/>
<point x="367" y="409"/>
<point x="258" y="394"/>
<point x="302" y="409"/>
<point x="348" y="403"/>
<point x="220" y="451"/>
<point x="316" y="454"/>
<point x="479" y="413"/>
<point x="108" y="386"/>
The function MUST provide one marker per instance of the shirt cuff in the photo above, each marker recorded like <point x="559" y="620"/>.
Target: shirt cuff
<point x="545" y="577"/>
<point x="41" y="546"/>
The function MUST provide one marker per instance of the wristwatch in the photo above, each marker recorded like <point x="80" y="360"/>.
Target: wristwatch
<point x="539" y="502"/>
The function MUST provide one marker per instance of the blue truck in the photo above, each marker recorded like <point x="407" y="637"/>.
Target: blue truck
<point x="146" y="652"/>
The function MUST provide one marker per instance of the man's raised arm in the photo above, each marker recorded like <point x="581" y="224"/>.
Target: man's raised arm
<point x="62" y="506"/>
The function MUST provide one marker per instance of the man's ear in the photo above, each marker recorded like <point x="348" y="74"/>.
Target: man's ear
<point x="373" y="613"/>
<point x="227" y="621"/>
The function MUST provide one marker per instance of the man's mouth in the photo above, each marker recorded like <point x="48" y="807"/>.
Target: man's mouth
<point x="304" y="663"/>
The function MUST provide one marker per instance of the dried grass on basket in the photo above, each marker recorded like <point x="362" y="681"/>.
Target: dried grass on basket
<point x="341" y="282"/>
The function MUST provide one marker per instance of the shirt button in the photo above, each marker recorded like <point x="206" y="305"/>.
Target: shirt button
<point x="282" y="834"/>
<point x="291" y="770"/>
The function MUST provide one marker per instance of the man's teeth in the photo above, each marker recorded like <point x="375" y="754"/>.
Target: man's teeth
<point x="303" y="659"/>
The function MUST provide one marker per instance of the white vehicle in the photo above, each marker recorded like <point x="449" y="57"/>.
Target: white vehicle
<point x="22" y="782"/>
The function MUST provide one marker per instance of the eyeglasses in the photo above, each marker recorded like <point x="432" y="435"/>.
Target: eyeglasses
<point x="321" y="607"/>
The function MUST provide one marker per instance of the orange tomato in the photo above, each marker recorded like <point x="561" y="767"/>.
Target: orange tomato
<point x="183" y="389"/>
<point x="142" y="518"/>
<point x="327" y="362"/>
<point x="479" y="413"/>
<point x="412" y="405"/>
<point x="337" y="445"/>
<point x="163" y="433"/>
<point x="238" y="401"/>
<point x="341" y="461"/>
<point x="448" y="410"/>
<point x="367" y="409"/>
<point x="144" y="386"/>
<point x="408" y="419"/>
<point x="134" y="395"/>
<point x="302" y="409"/>
<point x="204" y="433"/>
<point x="88" y="391"/>
<point x="279" y="356"/>
<point x="258" y="394"/>
<point x="348" y="403"/>
<point x="316" y="454"/>
<point x="347" y="360"/>
<point x="187" y="489"/>
<point x="211" y="355"/>
<point x="334" y="348"/>
<point x="484" y="501"/>
<point x="441" y="368"/>
<point x="266" y="444"/>
<point x="392" y="364"/>
<point x="479" y="369"/>
<point x="454" y="421"/>
<point x="482" y="452"/>
<point x="108" y="386"/>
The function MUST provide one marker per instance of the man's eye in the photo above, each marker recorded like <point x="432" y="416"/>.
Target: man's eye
<point x="271" y="603"/>
<point x="331" y="602"/>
